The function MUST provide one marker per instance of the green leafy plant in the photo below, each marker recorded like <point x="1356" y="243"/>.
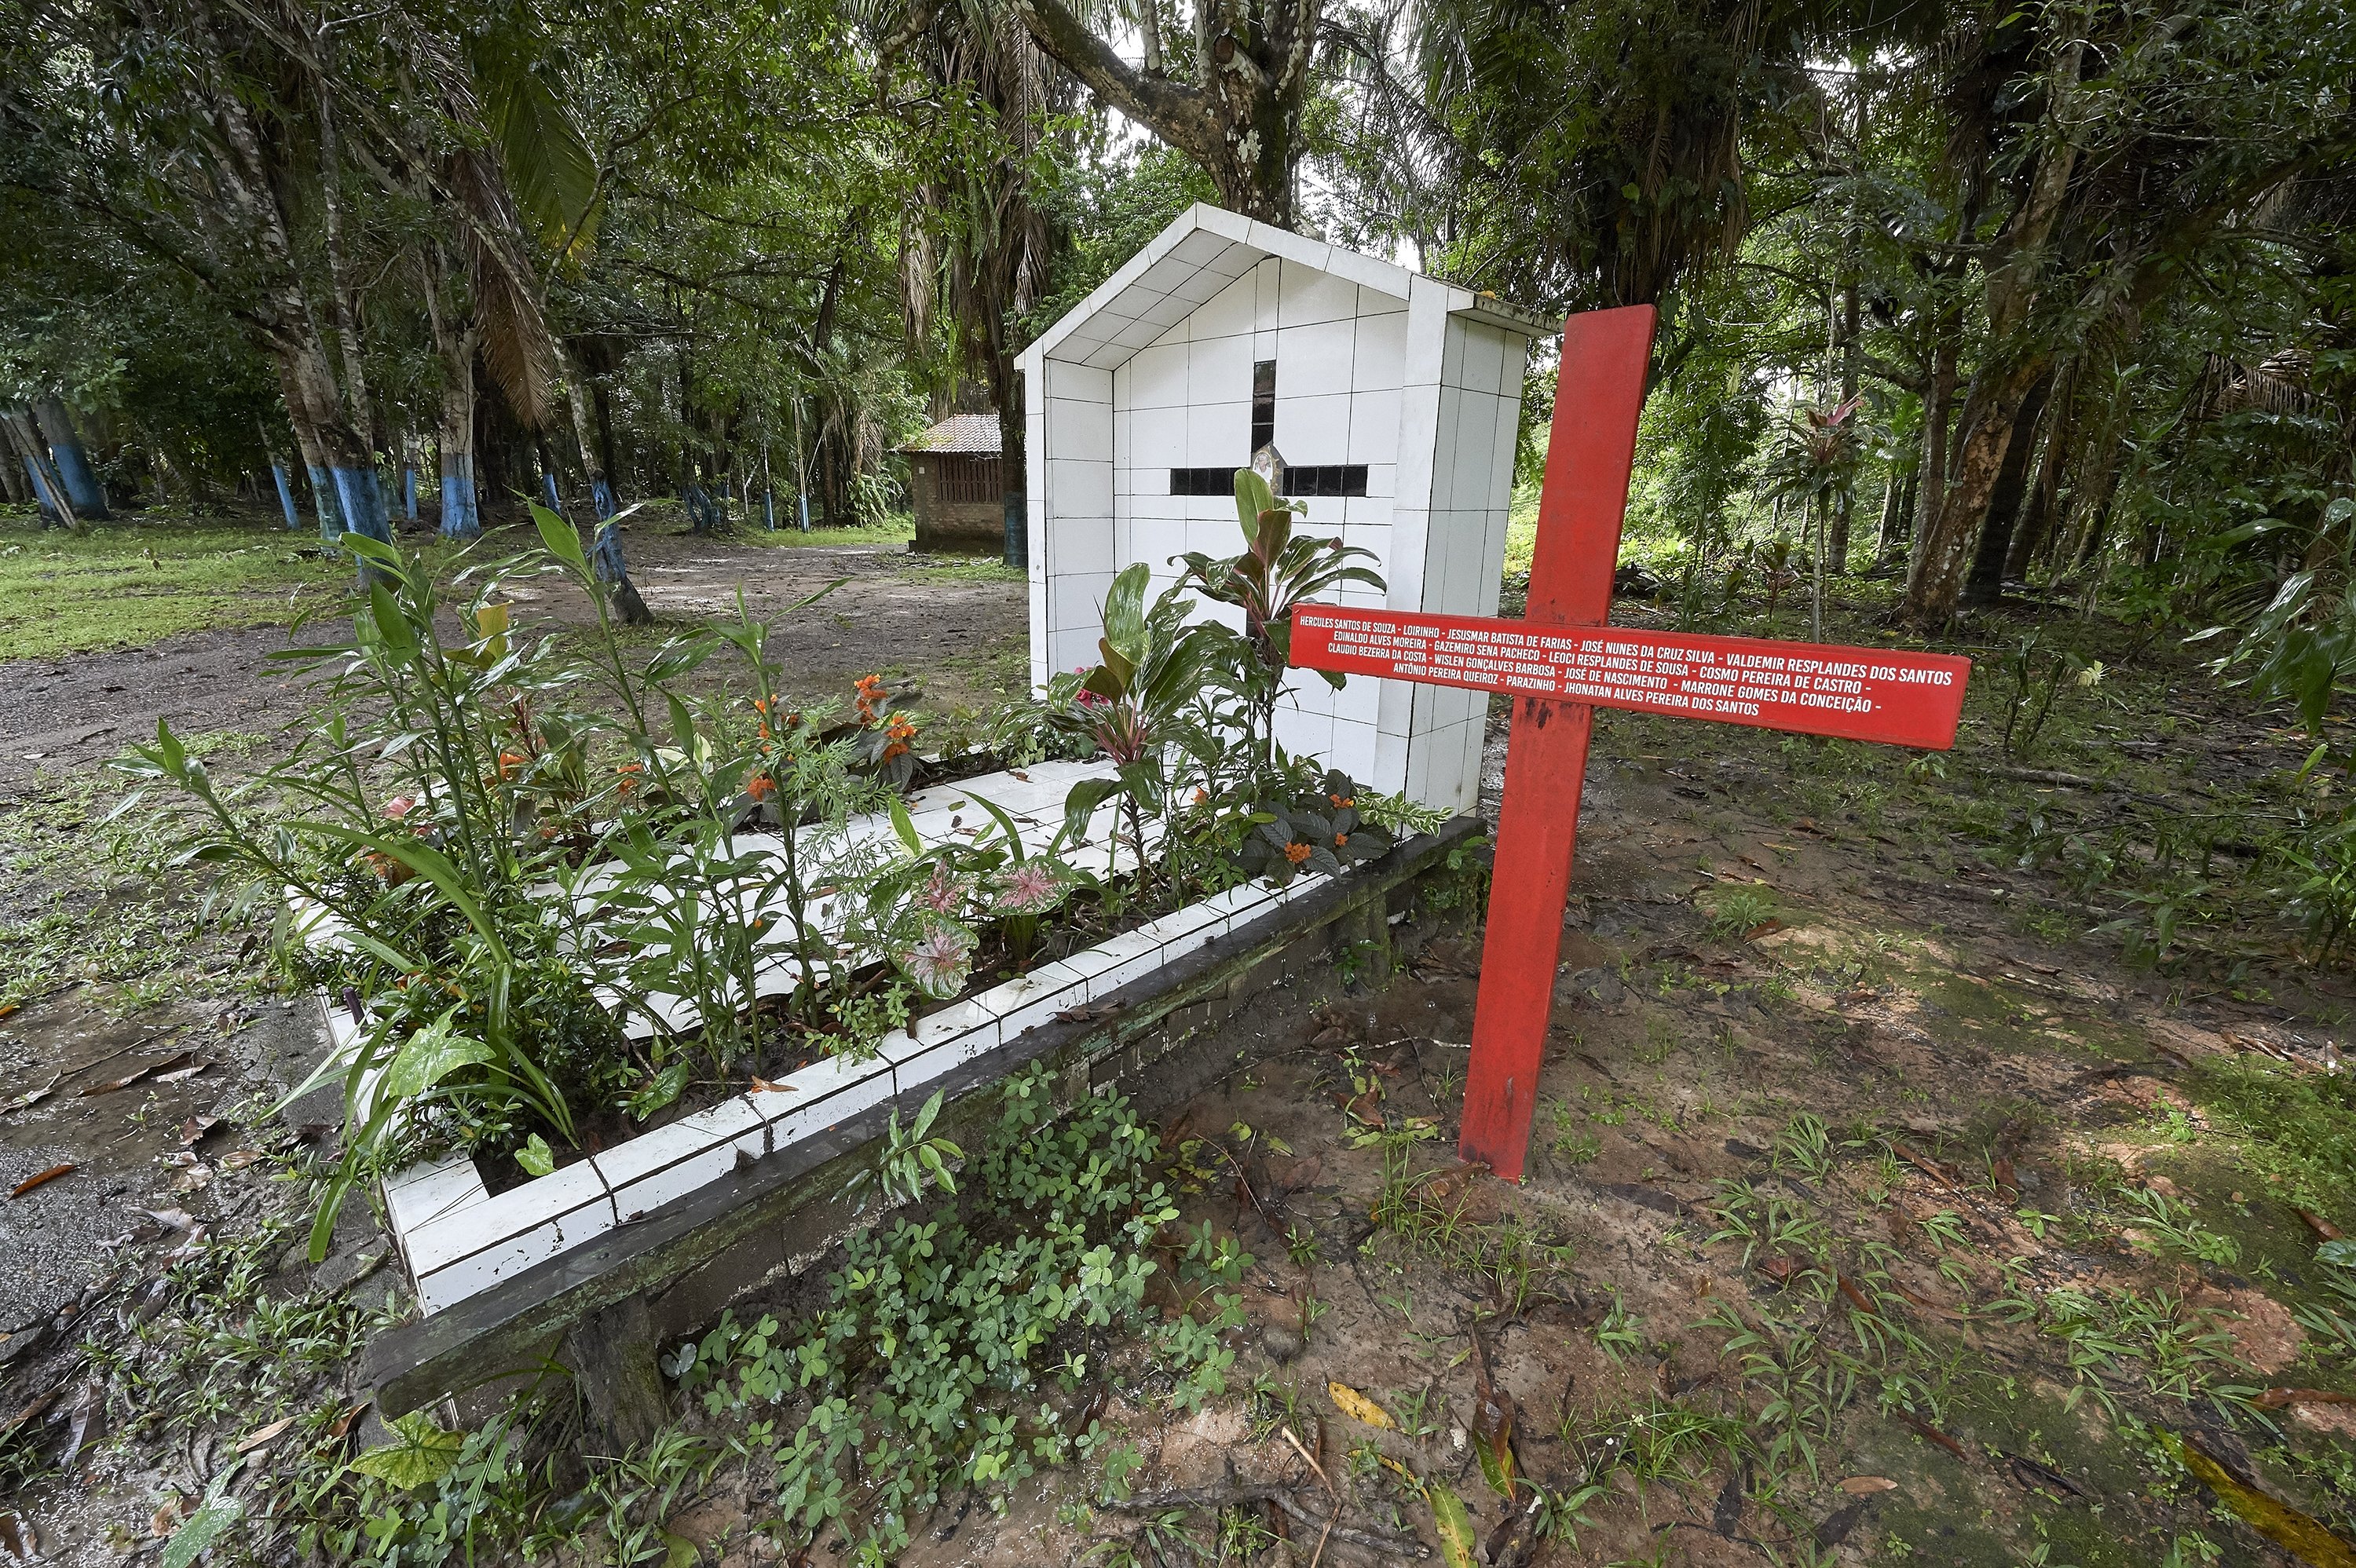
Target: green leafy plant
<point x="1278" y="570"/>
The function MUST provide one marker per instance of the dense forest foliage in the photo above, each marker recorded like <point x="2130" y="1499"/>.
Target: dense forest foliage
<point x="1954" y="295"/>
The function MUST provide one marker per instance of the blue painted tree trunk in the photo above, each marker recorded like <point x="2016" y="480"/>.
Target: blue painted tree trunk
<point x="408" y="491"/>
<point x="323" y="496"/>
<point x="83" y="488"/>
<point x="548" y="490"/>
<point x="285" y="496"/>
<point x="462" y="517"/>
<point x="1018" y="532"/>
<point x="362" y="497"/>
<point x="601" y="498"/>
<point x="50" y="515"/>
<point x="769" y="510"/>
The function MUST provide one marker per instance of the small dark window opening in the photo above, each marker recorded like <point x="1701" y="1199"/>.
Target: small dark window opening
<point x="1326" y="479"/>
<point x="1263" y="429"/>
<point x="1202" y="482"/>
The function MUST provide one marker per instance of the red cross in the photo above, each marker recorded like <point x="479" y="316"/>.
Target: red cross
<point x="1560" y="662"/>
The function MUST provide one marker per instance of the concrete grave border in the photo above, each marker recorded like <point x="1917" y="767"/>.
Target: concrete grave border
<point x="758" y="1206"/>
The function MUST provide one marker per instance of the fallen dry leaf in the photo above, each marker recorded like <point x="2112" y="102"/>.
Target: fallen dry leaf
<point x="1358" y="1407"/>
<point x="138" y="1075"/>
<point x="2275" y="1398"/>
<point x="1923" y="1429"/>
<point x="18" y="1537"/>
<point x="182" y="1074"/>
<point x="239" y="1158"/>
<point x="166" y="1519"/>
<point x="1860" y="1486"/>
<point x="2277" y="1521"/>
<point x="344" y="1422"/>
<point x="2325" y="1231"/>
<point x="31" y="1412"/>
<point x="193" y="1178"/>
<point x="763" y="1086"/>
<point x="1922" y="1162"/>
<point x="193" y="1130"/>
<point x="264" y="1438"/>
<point x="2006" y="1181"/>
<point x="40" y="1179"/>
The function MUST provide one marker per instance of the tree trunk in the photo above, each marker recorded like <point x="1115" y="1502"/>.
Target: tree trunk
<point x="1896" y="520"/>
<point x="1985" y="585"/>
<point x="83" y="488"/>
<point x="1239" y="120"/>
<point x="2036" y="522"/>
<point x="1945" y="553"/>
<point x="455" y="339"/>
<point x="1938" y="407"/>
<point x="15" y="486"/>
<point x="57" y="500"/>
<point x="606" y="559"/>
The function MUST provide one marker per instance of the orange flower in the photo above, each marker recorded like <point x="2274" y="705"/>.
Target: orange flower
<point x="1296" y="853"/>
<point x="1340" y="839"/>
<point x="870" y="692"/>
<point x="511" y="763"/>
<point x="898" y="733"/>
<point x="629" y="776"/>
<point x="761" y="787"/>
<point x="1343" y="802"/>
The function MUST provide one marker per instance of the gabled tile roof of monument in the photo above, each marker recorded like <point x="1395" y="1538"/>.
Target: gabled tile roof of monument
<point x="970" y="435"/>
<point x="1201" y="252"/>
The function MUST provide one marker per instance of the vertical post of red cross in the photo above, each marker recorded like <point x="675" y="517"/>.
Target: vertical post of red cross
<point x="1589" y="453"/>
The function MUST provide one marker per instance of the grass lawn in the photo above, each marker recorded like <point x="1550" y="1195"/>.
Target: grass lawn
<point x="128" y="583"/>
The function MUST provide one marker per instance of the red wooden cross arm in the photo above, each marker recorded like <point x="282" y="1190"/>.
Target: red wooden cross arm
<point x="1560" y="662"/>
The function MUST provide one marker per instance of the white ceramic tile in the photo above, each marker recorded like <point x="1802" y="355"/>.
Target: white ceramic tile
<point x="1308" y="295"/>
<point x="1079" y="486"/>
<point x="1083" y="429"/>
<point x="1378" y="359"/>
<point x="1484" y="358"/>
<point x="1313" y="430"/>
<point x="1157" y="376"/>
<point x="1314" y="360"/>
<point x="1473" y="473"/>
<point x="1199" y="247"/>
<point x="1219" y="371"/>
<point x="1373" y="430"/>
<point x="432" y="1190"/>
<point x="1218" y="435"/>
<point x="1385" y="280"/>
<point x="575" y="1196"/>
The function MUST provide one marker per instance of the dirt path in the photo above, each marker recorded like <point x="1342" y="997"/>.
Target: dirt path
<point x="931" y="617"/>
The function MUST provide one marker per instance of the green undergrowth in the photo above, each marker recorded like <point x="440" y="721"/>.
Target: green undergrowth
<point x="899" y="531"/>
<point x="126" y="584"/>
<point x="2295" y="1132"/>
<point x="83" y="905"/>
<point x="959" y="1347"/>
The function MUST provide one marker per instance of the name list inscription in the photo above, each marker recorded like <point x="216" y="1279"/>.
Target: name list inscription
<point x="1864" y="693"/>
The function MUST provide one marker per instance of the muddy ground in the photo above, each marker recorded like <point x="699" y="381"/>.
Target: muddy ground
<point x="1894" y="1220"/>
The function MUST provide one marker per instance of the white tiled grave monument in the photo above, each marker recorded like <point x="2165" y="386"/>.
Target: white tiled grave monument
<point x="1393" y="400"/>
